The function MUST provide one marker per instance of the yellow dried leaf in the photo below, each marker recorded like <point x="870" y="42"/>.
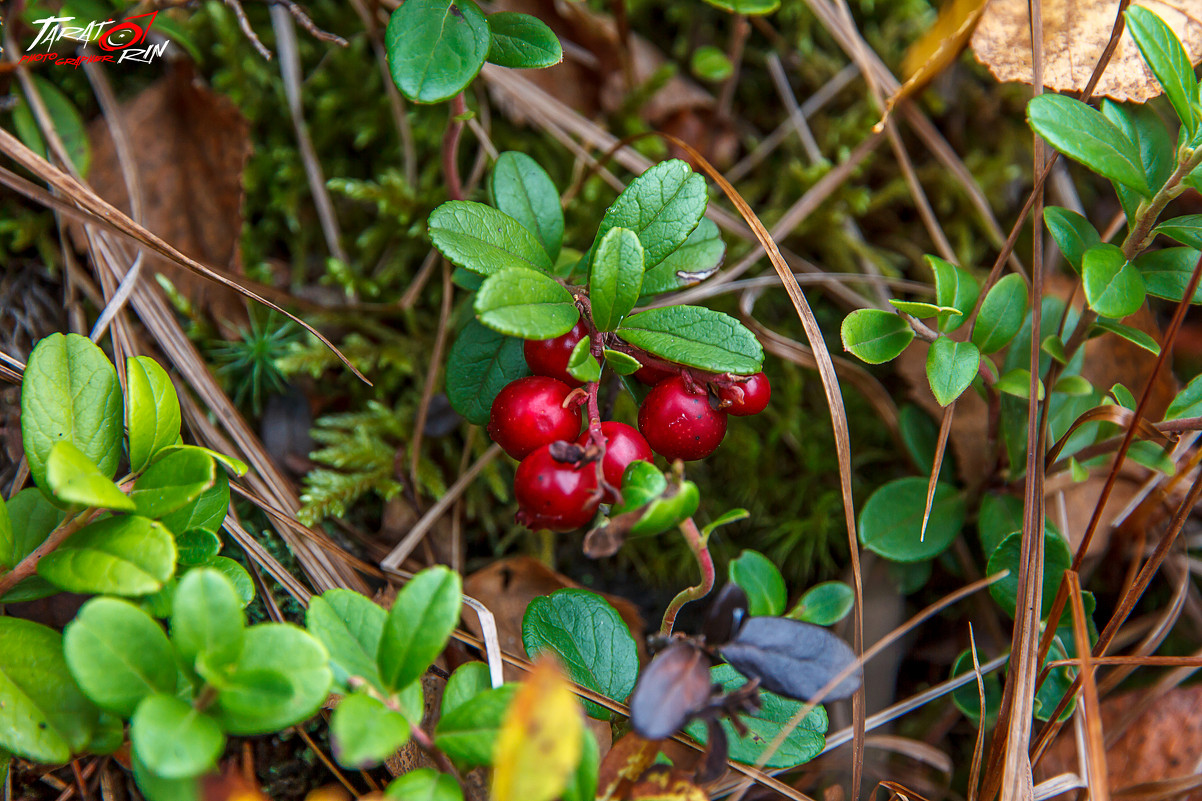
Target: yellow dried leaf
<point x="661" y="783"/>
<point x="540" y="739"/>
<point x="1075" y="33"/>
<point x="936" y="49"/>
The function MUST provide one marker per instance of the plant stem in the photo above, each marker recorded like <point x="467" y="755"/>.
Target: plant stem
<point x="427" y="745"/>
<point x="29" y="565"/>
<point x="700" y="550"/>
<point x="450" y="147"/>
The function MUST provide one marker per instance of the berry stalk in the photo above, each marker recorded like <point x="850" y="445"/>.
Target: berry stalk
<point x="700" y="546"/>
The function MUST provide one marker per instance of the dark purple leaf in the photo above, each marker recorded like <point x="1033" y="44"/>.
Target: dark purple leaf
<point x="726" y="614"/>
<point x="792" y="658"/>
<point x="674" y="686"/>
<point x="713" y="764"/>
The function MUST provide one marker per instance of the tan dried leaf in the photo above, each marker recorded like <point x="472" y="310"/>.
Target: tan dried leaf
<point x="1075" y="33"/>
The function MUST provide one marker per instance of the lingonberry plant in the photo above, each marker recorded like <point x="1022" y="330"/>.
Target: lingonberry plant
<point x="912" y="521"/>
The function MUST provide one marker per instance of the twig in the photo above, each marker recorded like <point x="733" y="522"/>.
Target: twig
<point x="29" y="565"/>
<point x="698" y="545"/>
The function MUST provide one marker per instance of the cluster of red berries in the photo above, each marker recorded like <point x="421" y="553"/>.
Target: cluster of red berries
<point x="534" y="419"/>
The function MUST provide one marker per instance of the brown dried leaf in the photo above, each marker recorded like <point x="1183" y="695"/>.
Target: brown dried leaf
<point x="1075" y="33"/>
<point x="662" y="783"/>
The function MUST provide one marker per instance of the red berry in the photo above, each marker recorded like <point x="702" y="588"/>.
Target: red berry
<point x="553" y="494"/>
<point x="680" y="424"/>
<point x="529" y="413"/>
<point x="623" y="445"/>
<point x="651" y="375"/>
<point x="549" y="357"/>
<point x="754" y="397"/>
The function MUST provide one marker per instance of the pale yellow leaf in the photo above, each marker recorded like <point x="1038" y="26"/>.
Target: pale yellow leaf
<point x="540" y="739"/>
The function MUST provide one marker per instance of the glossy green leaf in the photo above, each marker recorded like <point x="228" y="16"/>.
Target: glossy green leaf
<point x="1002" y="314"/>
<point x="875" y="336"/>
<point x="74" y="479"/>
<point x="281" y="678"/>
<point x="662" y="206"/>
<point x="364" y="732"/>
<point x="615" y="278"/>
<point x="665" y="512"/>
<point x="1188" y="402"/>
<point x="196" y="547"/>
<point x="1073" y="385"/>
<point x="589" y="637"/>
<point x="801" y="745"/>
<point x="64" y="116"/>
<point x="582" y="365"/>
<point x="480" y="364"/>
<point x="761" y="580"/>
<point x="1073" y="233"/>
<point x="1186" y="229"/>
<point x="419" y="624"/>
<point x="955" y="288"/>
<point x="350" y="626"/>
<point x="968" y="698"/>
<point x="435" y="48"/>
<point x="709" y="63"/>
<point x="424" y="784"/>
<point x="697" y="337"/>
<point x="1163" y="53"/>
<point x="8" y="559"/>
<point x="1085" y="135"/>
<point x="1157" y="150"/>
<point x="469" y="680"/>
<point x="32" y="517"/>
<point x="237" y="575"/>
<point x="124" y="555"/>
<point x="118" y="655"/>
<point x="1017" y="382"/>
<point x="1166" y="272"/>
<point x="724" y="519"/>
<point x="748" y="7"/>
<point x="1123" y="397"/>
<point x="173" y="481"/>
<point x="521" y="41"/>
<point x="1132" y="335"/>
<point x="622" y="363"/>
<point x="230" y="463"/>
<point x="207" y="618"/>
<point x="43" y="715"/>
<point x="484" y="240"/>
<point x="70" y="392"/>
<point x="152" y="416"/>
<point x="697" y="259"/>
<point x="173" y="739"/>
<point x="519" y="187"/>
<point x="1113" y="287"/>
<point x="155" y="788"/>
<point x="951" y="367"/>
<point x="466" y="734"/>
<point x="527" y="304"/>
<point x="1056" y="559"/>
<point x="1058" y="683"/>
<point x="923" y="310"/>
<point x="824" y="604"/>
<point x="891" y="520"/>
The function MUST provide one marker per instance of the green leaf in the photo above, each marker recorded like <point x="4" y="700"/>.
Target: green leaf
<point x="435" y="48"/>
<point x="1186" y="229"/>
<point x="1054" y="347"/>
<point x="155" y="788"/>
<point x="481" y="363"/>
<point x="1057" y="684"/>
<point x="521" y="41"/>
<point x="724" y="519"/>
<point x="697" y="259"/>
<point x="951" y="367"/>
<point x="642" y="483"/>
<point x="1157" y="150"/>
<point x="173" y="481"/>
<point x="350" y="627"/>
<point x="1132" y="335"/>
<point x="1073" y="233"/>
<point x="591" y="640"/>
<point x="583" y="784"/>
<point x="697" y="337"/>
<point x="235" y="466"/>
<point x="1085" y="135"/>
<point x="125" y="555"/>
<point x="469" y="680"/>
<point x="32" y="518"/>
<point x="709" y="63"/>
<point x="923" y="310"/>
<point x="824" y="604"/>
<point x="1168" y="61"/>
<point x="482" y="239"/>
<point x="204" y="513"/>
<point x="74" y="479"/>
<point x="761" y="580"/>
<point x="70" y="392"/>
<point x="748" y="7"/>
<point x="422" y="618"/>
<point x="424" y="784"/>
<point x="66" y="119"/>
<point x="152" y="416"/>
<point x="801" y="745"/>
<point x="582" y="365"/>
<point x="364" y="732"/>
<point x="468" y="732"/>
<point x="118" y="655"/>
<point x="173" y="739"/>
<point x="968" y="698"/>
<point x="1002" y="314"/>
<point x="1056" y="559"/>
<point x="1073" y="385"/>
<point x="1123" y="397"/>
<point x="281" y="678"/>
<point x="875" y="336"/>
<point x="622" y="363"/>
<point x="6" y="539"/>
<point x="1017" y="382"/>
<point x="1166" y="273"/>
<point x="519" y="187"/>
<point x="207" y="619"/>
<point x="615" y="277"/>
<point x="1188" y="402"/>
<point x="43" y="715"/>
<point x="527" y="304"/>
<point x="891" y="520"/>
<point x="662" y="206"/>
<point x="236" y="573"/>
<point x="1113" y="287"/>
<point x="954" y="288"/>
<point x="920" y="435"/>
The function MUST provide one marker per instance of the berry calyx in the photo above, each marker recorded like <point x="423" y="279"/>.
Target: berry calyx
<point x="553" y="494"/>
<point x="651" y="375"/>
<point x="549" y="357"/>
<point x="752" y="399"/>
<point x="680" y="424"/>
<point x="529" y="413"/>
<point x="623" y="445"/>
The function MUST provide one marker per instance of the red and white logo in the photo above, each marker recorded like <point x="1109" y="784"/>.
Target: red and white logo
<point x="119" y="41"/>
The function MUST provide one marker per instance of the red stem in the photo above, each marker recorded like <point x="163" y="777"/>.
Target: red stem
<point x="450" y="148"/>
<point x="700" y="550"/>
<point x="29" y="565"/>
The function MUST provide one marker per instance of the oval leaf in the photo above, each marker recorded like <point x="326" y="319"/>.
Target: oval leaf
<point x="891" y="520"/>
<point x="1084" y="135"/>
<point x="521" y="41"/>
<point x="527" y="304"/>
<point x="435" y="48"/>
<point x="1073" y="233"/>
<point x="206" y="512"/>
<point x="364" y="732"/>
<point x="697" y="337"/>
<point x="484" y="240"/>
<point x="761" y="580"/>
<point x="662" y="206"/>
<point x="75" y="479"/>
<point x="1113" y="287"/>
<point x="424" y="784"/>
<point x="875" y="336"/>
<point x="152" y="416"/>
<point x="1056" y="559"/>
<point x="350" y="626"/>
<point x="1163" y="53"/>
<point x="422" y="618"/>
<point x="951" y="367"/>
<point x="467" y="734"/>
<point x="1002" y="314"/>
<point x="207" y="619"/>
<point x="697" y="259"/>
<point x="117" y="556"/>
<point x="824" y="604"/>
<point x="615" y="278"/>
<point x="954" y="288"/>
<point x="481" y="363"/>
<point x="175" y="740"/>
<point x="173" y="481"/>
<point x="519" y="187"/>
<point x="1166" y="272"/>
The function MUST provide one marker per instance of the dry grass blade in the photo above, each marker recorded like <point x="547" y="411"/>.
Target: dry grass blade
<point x="945" y="427"/>
<point x="1163" y="790"/>
<point x="1099" y="788"/>
<point x="1119" y="415"/>
<point x="978" y="750"/>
